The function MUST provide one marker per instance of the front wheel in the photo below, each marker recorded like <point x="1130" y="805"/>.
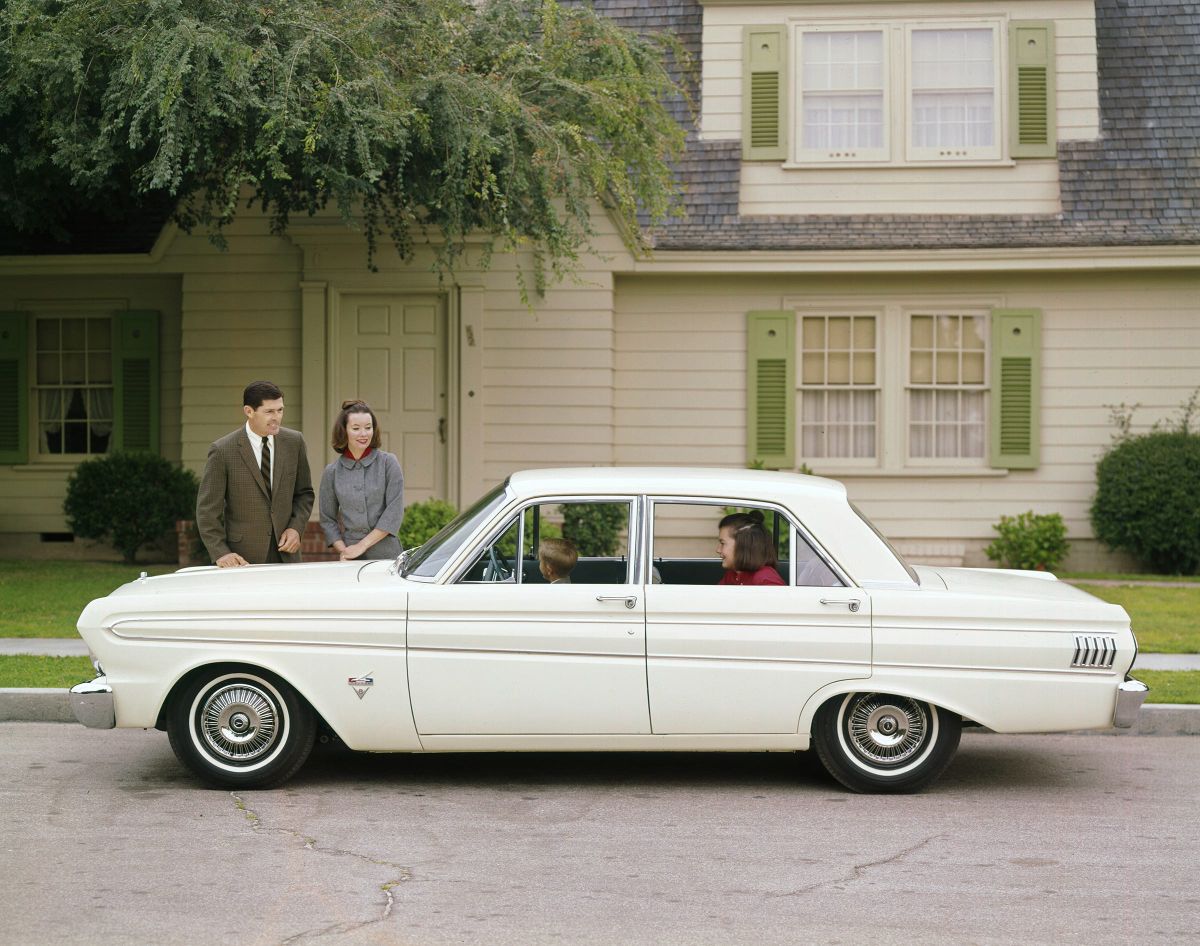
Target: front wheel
<point x="876" y="742"/>
<point x="240" y="728"/>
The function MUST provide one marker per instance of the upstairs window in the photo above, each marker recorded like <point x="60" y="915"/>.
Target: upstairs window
<point x="953" y="102"/>
<point x="934" y="88"/>
<point x="843" y="96"/>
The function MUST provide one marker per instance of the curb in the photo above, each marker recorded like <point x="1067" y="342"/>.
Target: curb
<point x="33" y="705"/>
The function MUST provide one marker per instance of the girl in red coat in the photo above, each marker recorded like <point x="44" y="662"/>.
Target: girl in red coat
<point x="746" y="550"/>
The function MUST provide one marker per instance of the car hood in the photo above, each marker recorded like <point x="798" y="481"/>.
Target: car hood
<point x="272" y="579"/>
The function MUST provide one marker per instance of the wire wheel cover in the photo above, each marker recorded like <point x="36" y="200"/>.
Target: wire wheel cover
<point x="885" y="730"/>
<point x="239" y="722"/>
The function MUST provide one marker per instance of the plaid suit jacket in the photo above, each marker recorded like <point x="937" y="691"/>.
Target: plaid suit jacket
<point x="233" y="513"/>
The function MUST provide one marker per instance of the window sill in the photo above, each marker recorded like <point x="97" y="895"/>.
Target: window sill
<point x="50" y="466"/>
<point x="907" y="472"/>
<point x="898" y="165"/>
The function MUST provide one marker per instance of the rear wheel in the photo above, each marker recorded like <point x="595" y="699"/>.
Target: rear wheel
<point x="240" y="728"/>
<point x="876" y="742"/>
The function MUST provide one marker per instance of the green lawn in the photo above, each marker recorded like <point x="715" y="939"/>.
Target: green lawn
<point x="60" y="673"/>
<point x="1171" y="686"/>
<point x="43" y="599"/>
<point x="1165" y="620"/>
<point x="1121" y="576"/>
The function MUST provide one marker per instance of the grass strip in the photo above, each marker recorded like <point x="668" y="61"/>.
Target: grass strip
<point x="1170" y="686"/>
<point x="43" y="599"/>
<point x="1165" y="620"/>
<point x="1123" y="576"/>
<point x="57" y="673"/>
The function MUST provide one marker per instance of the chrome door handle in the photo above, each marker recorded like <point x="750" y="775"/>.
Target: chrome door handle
<point x="630" y="600"/>
<point x="851" y="603"/>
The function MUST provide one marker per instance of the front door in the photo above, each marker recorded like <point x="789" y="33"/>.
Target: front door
<point x="392" y="354"/>
<point x="511" y="650"/>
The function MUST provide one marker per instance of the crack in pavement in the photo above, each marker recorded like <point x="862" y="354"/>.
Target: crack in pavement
<point x="857" y="870"/>
<point x="310" y="844"/>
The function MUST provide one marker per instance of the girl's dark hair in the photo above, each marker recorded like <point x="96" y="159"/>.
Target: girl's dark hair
<point x="340" y="441"/>
<point x="752" y="544"/>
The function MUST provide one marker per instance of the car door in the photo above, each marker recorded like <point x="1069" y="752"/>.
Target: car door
<point x="743" y="659"/>
<point x="502" y="652"/>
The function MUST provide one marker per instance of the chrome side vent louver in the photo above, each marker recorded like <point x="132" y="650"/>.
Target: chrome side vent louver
<point x="1093" y="652"/>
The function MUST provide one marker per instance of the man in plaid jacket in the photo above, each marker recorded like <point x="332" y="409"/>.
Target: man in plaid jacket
<point x="256" y="491"/>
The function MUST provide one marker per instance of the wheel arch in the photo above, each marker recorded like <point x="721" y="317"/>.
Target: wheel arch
<point x="232" y="666"/>
<point x="839" y="688"/>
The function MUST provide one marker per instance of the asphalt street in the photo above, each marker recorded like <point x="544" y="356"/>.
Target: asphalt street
<point x="1073" y="839"/>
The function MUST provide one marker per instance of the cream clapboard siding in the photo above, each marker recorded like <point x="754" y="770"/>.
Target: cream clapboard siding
<point x="31" y="495"/>
<point x="1027" y="186"/>
<point x="680" y="396"/>
<point x="548" y="372"/>
<point x="241" y="323"/>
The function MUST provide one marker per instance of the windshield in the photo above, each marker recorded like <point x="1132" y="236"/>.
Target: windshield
<point x="428" y="560"/>
<point x="912" y="572"/>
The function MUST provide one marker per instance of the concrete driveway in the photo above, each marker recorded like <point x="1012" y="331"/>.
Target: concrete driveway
<point x="1075" y="839"/>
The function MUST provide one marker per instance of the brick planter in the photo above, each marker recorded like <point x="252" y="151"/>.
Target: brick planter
<point x="312" y="545"/>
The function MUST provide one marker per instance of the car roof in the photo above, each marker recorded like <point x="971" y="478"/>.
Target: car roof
<point x="677" y="481"/>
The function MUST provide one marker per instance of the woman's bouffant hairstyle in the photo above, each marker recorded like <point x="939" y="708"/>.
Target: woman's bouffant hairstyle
<point x="340" y="440"/>
<point x="753" y="546"/>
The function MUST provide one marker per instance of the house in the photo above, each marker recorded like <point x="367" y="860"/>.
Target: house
<point x="928" y="247"/>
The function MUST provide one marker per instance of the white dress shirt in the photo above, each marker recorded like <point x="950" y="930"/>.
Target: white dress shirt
<point x="256" y="446"/>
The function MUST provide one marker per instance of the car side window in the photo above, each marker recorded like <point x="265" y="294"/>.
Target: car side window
<point x="685" y="536"/>
<point x="497" y="560"/>
<point x="811" y="570"/>
<point x="577" y="542"/>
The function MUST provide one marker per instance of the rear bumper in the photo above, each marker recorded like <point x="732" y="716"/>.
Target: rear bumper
<point x="1130" y="696"/>
<point x="92" y="704"/>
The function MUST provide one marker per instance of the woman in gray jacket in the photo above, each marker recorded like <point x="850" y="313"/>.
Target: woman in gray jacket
<point x="362" y="491"/>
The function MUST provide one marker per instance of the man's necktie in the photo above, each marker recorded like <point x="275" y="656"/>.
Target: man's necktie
<point x="265" y="465"/>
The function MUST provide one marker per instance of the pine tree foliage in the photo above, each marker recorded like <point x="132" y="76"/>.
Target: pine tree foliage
<point x="416" y="119"/>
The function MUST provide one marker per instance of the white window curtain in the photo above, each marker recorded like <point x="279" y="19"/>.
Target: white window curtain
<point x="842" y="90"/>
<point x="953" y="88"/>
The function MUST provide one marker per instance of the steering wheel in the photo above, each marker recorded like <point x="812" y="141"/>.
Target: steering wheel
<point x="495" y="569"/>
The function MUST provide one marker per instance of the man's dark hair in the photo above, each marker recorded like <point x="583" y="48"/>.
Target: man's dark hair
<point x="258" y="391"/>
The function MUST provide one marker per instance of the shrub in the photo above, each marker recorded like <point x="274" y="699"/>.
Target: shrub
<point x="1037" y="543"/>
<point x="1148" y="500"/>
<point x="128" y="498"/>
<point x="422" y="520"/>
<point x="594" y="527"/>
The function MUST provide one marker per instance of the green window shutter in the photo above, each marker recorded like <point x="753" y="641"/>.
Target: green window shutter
<point x="771" y="389"/>
<point x="764" y="94"/>
<point x="1016" y="387"/>
<point x="14" y="388"/>
<point x="136" y="385"/>
<point x="1031" y="99"/>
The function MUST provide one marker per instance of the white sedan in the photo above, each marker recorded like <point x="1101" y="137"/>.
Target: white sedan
<point x="462" y="645"/>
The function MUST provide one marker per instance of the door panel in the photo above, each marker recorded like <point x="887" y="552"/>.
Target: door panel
<point x="508" y="659"/>
<point x="744" y="659"/>
<point x="392" y="354"/>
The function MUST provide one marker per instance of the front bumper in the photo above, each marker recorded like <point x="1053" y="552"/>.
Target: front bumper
<point x="92" y="704"/>
<point x="1130" y="696"/>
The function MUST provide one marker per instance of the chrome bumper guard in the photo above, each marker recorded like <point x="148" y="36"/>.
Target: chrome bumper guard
<point x="92" y="704"/>
<point x="1130" y="696"/>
